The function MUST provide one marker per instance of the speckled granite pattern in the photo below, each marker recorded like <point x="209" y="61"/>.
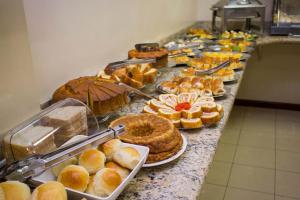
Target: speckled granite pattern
<point x="182" y="178"/>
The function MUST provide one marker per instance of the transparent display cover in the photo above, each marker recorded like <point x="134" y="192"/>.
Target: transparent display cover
<point x="286" y="12"/>
<point x="49" y="129"/>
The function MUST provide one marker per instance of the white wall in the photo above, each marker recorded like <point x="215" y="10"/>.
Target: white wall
<point x="43" y="44"/>
<point x="18" y="89"/>
<point x="71" y="38"/>
<point x="203" y="9"/>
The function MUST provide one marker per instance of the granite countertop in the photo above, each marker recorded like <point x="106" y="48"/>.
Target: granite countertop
<point x="183" y="178"/>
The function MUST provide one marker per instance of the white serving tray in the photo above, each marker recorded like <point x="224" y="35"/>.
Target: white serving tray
<point x="76" y="195"/>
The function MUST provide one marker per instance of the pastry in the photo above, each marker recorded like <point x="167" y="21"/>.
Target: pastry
<point x="181" y="60"/>
<point x="148" y="109"/>
<point x="203" y="86"/>
<point x="210" y="117"/>
<point x="92" y="160"/>
<point x="127" y="157"/>
<point x="57" y="169"/>
<point x="169" y="113"/>
<point x="209" y="107"/>
<point x="148" y="130"/>
<point x="182" y="108"/>
<point x="105" y="182"/>
<point x="169" y="87"/>
<point x="50" y="190"/>
<point x="136" y="75"/>
<point x="101" y="95"/>
<point x="226" y="74"/>
<point x="156" y="105"/>
<point x="194" y="112"/>
<point x="110" y="147"/>
<point x="160" y="54"/>
<point x="90" y="187"/>
<point x="74" y="177"/>
<point x="220" y="109"/>
<point x="14" y="190"/>
<point x="155" y="157"/>
<point x="205" y="98"/>
<point x="201" y="33"/>
<point x="237" y="35"/>
<point x="123" y="172"/>
<point x="176" y="123"/>
<point x="191" y="123"/>
<point x="157" y="133"/>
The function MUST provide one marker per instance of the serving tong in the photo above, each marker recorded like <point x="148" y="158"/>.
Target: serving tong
<point x="36" y="164"/>
<point x="212" y="70"/>
<point x="136" y="91"/>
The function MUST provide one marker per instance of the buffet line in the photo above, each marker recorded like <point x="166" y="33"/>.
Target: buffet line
<point x="102" y="129"/>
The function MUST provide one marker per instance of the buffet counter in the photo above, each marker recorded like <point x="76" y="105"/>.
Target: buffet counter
<point x="189" y="81"/>
<point x="183" y="178"/>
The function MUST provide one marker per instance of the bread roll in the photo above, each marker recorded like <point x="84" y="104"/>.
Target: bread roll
<point x="123" y="172"/>
<point x="127" y="157"/>
<point x="90" y="187"/>
<point x="57" y="169"/>
<point x="110" y="147"/>
<point x="105" y="182"/>
<point x="50" y="191"/>
<point x="92" y="160"/>
<point x="15" y="190"/>
<point x="2" y="194"/>
<point x="74" y="177"/>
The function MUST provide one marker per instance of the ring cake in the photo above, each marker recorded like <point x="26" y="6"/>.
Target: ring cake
<point x="155" y="132"/>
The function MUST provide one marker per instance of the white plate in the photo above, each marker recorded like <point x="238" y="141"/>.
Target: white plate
<point x="179" y="153"/>
<point x="76" y="195"/>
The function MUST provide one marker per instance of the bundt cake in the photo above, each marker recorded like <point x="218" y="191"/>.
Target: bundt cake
<point x="155" y="132"/>
<point x="101" y="95"/>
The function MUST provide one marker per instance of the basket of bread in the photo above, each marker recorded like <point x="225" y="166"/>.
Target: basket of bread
<point x="100" y="172"/>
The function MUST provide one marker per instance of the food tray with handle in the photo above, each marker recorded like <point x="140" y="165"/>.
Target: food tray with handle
<point x="76" y="195"/>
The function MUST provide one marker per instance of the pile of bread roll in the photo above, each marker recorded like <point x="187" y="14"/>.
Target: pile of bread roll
<point x="15" y="190"/>
<point x="98" y="171"/>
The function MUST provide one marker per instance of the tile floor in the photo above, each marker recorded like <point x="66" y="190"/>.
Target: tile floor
<point x="258" y="157"/>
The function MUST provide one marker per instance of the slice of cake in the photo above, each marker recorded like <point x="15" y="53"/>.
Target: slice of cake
<point x="32" y="140"/>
